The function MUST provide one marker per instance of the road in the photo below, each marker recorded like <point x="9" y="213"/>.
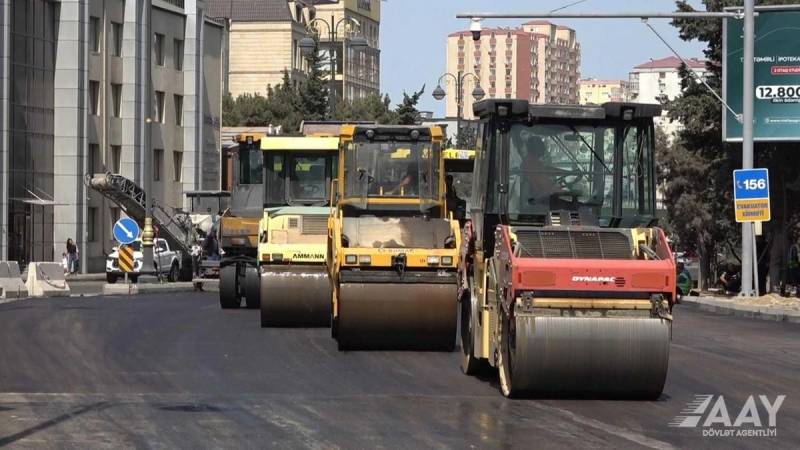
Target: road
<point x="175" y="371"/>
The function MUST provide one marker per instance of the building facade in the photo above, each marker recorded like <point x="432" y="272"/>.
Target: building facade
<point x="539" y="62"/>
<point x="659" y="79"/>
<point x="94" y="86"/>
<point x="597" y="92"/>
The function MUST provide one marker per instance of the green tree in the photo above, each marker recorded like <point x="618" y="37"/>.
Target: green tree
<point x="407" y="113"/>
<point x="313" y="92"/>
<point x="284" y="106"/>
<point x="230" y="116"/>
<point x="371" y="107"/>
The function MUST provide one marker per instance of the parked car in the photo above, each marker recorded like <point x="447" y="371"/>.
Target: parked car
<point x="166" y="260"/>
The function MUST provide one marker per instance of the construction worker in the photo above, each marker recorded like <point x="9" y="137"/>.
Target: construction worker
<point x="684" y="280"/>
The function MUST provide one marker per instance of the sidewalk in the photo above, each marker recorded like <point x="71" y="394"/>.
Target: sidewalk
<point x="768" y="307"/>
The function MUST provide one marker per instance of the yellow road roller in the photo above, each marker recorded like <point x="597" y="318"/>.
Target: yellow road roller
<point x="293" y="231"/>
<point x="566" y="285"/>
<point x="392" y="245"/>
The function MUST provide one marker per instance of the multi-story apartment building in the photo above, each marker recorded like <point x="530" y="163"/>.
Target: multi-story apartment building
<point x="597" y="92"/>
<point x="262" y="41"/>
<point x="538" y="61"/>
<point x="659" y="79"/>
<point x="357" y="69"/>
<point x="88" y="86"/>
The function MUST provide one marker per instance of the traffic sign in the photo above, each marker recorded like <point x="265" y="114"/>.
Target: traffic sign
<point x="126" y="230"/>
<point x="125" y="258"/>
<point x="751" y="195"/>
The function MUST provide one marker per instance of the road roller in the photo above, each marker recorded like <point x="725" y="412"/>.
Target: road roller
<point x="392" y="244"/>
<point x="237" y="230"/>
<point x="293" y="232"/>
<point x="566" y="287"/>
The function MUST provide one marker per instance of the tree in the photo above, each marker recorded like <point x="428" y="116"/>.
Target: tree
<point x="313" y="92"/>
<point x="284" y="106"/>
<point x="371" y="107"/>
<point x="407" y="113"/>
<point x="230" y="116"/>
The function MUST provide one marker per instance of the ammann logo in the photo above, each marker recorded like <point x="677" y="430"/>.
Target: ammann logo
<point x="308" y="256"/>
<point x="592" y="279"/>
<point x="711" y="413"/>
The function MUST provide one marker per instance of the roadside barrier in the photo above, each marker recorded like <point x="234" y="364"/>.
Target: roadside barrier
<point x="46" y="279"/>
<point x="11" y="285"/>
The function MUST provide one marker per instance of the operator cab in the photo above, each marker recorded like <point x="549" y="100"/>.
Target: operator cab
<point x="247" y="191"/>
<point x="566" y="165"/>
<point x="298" y="170"/>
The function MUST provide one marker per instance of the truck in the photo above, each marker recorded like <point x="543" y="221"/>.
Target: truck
<point x="169" y="262"/>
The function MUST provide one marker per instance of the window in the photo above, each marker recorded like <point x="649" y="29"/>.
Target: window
<point x="178" y="110"/>
<point x="158" y="163"/>
<point x="114" y="215"/>
<point x="116" y="158"/>
<point x="94" y="97"/>
<point x="91" y="219"/>
<point x="662" y="75"/>
<point x="178" y="44"/>
<point x="177" y="163"/>
<point x="92" y="159"/>
<point x="116" y="99"/>
<point x="158" y="48"/>
<point x="158" y="114"/>
<point x="116" y="39"/>
<point x="94" y="34"/>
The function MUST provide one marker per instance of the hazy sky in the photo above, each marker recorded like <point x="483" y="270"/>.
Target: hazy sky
<point x="414" y="35"/>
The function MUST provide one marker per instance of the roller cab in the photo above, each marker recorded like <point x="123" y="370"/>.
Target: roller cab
<point x="293" y="230"/>
<point x="566" y="287"/>
<point x="392" y="245"/>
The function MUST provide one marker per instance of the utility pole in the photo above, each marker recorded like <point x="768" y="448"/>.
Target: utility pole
<point x="148" y="269"/>
<point x="748" y="252"/>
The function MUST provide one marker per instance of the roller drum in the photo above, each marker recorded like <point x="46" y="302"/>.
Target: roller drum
<point x="608" y="357"/>
<point x="397" y="316"/>
<point x="295" y="296"/>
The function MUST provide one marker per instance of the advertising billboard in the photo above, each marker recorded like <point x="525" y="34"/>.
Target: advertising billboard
<point x="777" y="76"/>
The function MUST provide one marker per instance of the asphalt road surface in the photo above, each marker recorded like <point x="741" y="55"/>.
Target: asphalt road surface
<point x="175" y="371"/>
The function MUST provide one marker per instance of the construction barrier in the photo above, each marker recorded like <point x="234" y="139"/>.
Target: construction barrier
<point x="11" y="285"/>
<point x="46" y="279"/>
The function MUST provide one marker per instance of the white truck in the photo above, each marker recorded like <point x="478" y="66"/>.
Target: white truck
<point x="167" y="261"/>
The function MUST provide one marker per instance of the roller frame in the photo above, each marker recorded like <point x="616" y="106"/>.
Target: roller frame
<point x="295" y="296"/>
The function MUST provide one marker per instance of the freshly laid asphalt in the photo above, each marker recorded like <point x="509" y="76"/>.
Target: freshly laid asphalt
<point x="175" y="371"/>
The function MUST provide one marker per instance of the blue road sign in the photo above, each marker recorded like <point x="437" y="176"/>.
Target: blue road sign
<point x="126" y="230"/>
<point x="751" y="195"/>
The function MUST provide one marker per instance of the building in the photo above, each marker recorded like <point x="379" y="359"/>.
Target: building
<point x="659" y="79"/>
<point x="597" y="92"/>
<point x="264" y="37"/>
<point x="539" y="62"/>
<point x="357" y="70"/>
<point x="90" y="86"/>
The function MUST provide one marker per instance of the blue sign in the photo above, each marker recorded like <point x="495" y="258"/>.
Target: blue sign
<point x="751" y="195"/>
<point x="126" y="230"/>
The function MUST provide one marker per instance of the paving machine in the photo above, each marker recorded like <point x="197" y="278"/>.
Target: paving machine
<point x="293" y="231"/>
<point x="565" y="285"/>
<point x="392" y="245"/>
<point x="238" y="227"/>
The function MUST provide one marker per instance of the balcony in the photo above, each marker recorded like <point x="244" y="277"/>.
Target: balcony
<point x="176" y="3"/>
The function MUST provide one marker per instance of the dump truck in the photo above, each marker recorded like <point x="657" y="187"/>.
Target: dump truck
<point x="293" y="231"/>
<point x="237" y="231"/>
<point x="392" y="245"/>
<point x="566" y="286"/>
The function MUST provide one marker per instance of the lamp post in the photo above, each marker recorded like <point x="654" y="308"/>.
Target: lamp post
<point x="147" y="273"/>
<point x="459" y="79"/>
<point x="308" y="44"/>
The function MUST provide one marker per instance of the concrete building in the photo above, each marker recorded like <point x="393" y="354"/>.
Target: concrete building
<point x="263" y="37"/>
<point x="597" y="92"/>
<point x="659" y="79"/>
<point x="538" y="61"/>
<point x="88" y="86"/>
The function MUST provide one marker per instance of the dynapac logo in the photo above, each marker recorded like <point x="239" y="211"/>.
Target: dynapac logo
<point x="592" y="279"/>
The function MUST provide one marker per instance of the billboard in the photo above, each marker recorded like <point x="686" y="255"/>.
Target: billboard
<point x="776" y="75"/>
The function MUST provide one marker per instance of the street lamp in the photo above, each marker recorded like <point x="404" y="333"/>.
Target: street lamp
<point x="308" y="44"/>
<point x="477" y="93"/>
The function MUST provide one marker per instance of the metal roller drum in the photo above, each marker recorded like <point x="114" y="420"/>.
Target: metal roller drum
<point x="606" y="357"/>
<point x="397" y="316"/>
<point x="295" y="296"/>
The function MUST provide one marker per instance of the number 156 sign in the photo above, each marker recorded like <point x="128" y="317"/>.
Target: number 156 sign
<point x="751" y="195"/>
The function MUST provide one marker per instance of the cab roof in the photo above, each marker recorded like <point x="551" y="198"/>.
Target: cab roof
<point x="399" y="132"/>
<point x="610" y="110"/>
<point x="299" y="143"/>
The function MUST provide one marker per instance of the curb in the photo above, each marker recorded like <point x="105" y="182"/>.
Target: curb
<point x="136" y="289"/>
<point x="745" y="311"/>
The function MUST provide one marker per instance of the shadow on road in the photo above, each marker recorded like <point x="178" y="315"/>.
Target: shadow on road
<point x="10" y="439"/>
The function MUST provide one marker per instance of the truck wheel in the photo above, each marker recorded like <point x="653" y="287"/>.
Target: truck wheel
<point x="174" y="273"/>
<point x="228" y="288"/>
<point x="252" y="288"/>
<point x="111" y="278"/>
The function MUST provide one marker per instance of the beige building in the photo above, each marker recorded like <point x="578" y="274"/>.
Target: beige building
<point x="539" y="62"/>
<point x="597" y="92"/>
